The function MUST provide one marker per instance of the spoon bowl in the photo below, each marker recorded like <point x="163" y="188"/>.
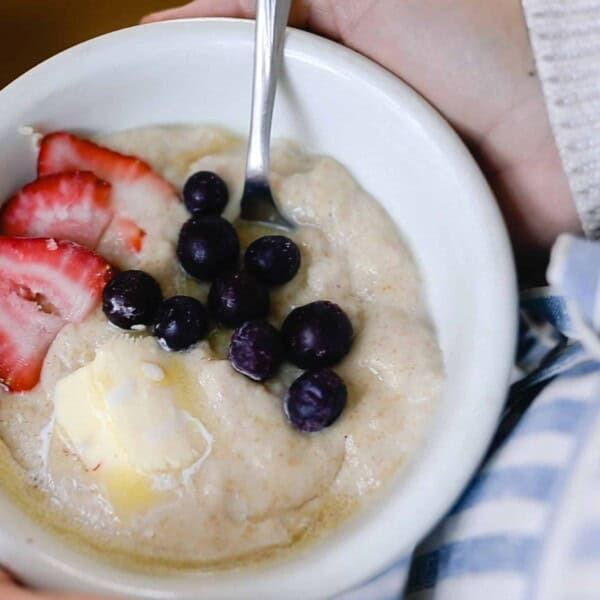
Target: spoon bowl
<point x="258" y="206"/>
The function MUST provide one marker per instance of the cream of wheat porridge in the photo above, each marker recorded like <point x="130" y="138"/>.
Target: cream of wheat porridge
<point x="249" y="482"/>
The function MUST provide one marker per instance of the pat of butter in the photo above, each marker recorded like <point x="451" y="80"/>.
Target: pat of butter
<point x="125" y="416"/>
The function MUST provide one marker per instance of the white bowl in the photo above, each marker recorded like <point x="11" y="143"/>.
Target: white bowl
<point x="335" y="102"/>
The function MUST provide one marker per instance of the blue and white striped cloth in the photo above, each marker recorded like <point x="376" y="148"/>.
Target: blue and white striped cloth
<point x="528" y="526"/>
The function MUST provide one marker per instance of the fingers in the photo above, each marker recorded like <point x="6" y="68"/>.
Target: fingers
<point x="243" y="9"/>
<point x="10" y="590"/>
<point x="206" y="8"/>
<point x="5" y="578"/>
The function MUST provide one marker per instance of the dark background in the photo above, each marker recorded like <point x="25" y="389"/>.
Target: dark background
<point x="33" y="30"/>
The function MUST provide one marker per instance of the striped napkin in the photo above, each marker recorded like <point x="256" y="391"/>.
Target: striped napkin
<point x="528" y="525"/>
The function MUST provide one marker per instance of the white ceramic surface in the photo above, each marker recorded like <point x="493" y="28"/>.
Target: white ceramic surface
<point x="335" y="102"/>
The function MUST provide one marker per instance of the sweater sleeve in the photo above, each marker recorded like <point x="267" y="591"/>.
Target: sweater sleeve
<point x="565" y="35"/>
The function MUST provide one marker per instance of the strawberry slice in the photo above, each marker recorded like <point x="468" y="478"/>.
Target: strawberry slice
<point x="44" y="284"/>
<point x="26" y="332"/>
<point x="69" y="277"/>
<point x="140" y="197"/>
<point x="128" y="232"/>
<point x="129" y="175"/>
<point x="72" y="206"/>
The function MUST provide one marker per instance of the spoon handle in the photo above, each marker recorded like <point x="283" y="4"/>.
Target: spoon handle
<point x="271" y="20"/>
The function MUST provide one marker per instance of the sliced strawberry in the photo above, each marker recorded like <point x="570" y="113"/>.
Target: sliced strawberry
<point x="69" y="277"/>
<point x="130" y="234"/>
<point x="139" y="196"/>
<point x="26" y="332"/>
<point x="72" y="206"/>
<point x="129" y="175"/>
<point x="43" y="285"/>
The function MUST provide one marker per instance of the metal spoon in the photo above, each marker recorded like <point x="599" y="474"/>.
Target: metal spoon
<point x="257" y="201"/>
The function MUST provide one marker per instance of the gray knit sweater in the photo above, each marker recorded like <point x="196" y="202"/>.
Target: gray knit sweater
<point x="565" y="35"/>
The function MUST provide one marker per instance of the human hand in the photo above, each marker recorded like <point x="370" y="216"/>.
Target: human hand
<point x="472" y="60"/>
<point x="10" y="590"/>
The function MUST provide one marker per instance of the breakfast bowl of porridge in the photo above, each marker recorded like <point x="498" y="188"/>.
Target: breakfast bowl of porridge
<point x="197" y="406"/>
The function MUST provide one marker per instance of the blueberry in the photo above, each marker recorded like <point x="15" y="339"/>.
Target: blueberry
<point x="274" y="259"/>
<point x="205" y="193"/>
<point x="237" y="297"/>
<point x="256" y="350"/>
<point x="207" y="247"/>
<point x="131" y="299"/>
<point x="317" y="335"/>
<point x="181" y="322"/>
<point x="315" y="400"/>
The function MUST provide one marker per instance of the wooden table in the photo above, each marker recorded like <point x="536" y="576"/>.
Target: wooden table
<point x="32" y="30"/>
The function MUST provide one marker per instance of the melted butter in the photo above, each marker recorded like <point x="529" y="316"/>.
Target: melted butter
<point x="130" y="415"/>
<point x="248" y="232"/>
<point x="219" y="340"/>
<point x="129" y="491"/>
